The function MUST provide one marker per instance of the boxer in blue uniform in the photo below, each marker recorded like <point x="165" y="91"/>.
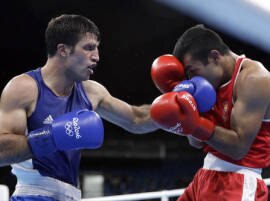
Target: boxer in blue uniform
<point x="49" y="114"/>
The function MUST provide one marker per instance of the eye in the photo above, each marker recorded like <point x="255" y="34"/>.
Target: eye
<point x="89" y="47"/>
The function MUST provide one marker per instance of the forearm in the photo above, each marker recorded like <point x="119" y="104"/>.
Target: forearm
<point x="13" y="149"/>
<point x="228" y="142"/>
<point x="135" y="119"/>
<point x="143" y="122"/>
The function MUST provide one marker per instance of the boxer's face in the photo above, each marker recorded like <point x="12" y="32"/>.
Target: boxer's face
<point x="194" y="67"/>
<point x="210" y="71"/>
<point x="84" y="58"/>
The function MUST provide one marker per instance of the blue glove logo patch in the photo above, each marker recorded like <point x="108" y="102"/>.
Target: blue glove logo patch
<point x="72" y="128"/>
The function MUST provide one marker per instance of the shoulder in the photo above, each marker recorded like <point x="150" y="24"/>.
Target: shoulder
<point x="95" y="92"/>
<point x="91" y="86"/>
<point x="253" y="79"/>
<point x="253" y="71"/>
<point x="20" y="91"/>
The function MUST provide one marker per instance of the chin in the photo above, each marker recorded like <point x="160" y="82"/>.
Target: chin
<point x="86" y="78"/>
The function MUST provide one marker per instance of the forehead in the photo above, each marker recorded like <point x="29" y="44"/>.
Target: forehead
<point x="89" y="38"/>
<point x="187" y="59"/>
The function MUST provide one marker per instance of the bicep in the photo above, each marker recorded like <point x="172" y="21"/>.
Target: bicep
<point x="12" y="121"/>
<point x="13" y="116"/>
<point x="13" y="143"/>
<point x="249" y="110"/>
<point x="16" y="98"/>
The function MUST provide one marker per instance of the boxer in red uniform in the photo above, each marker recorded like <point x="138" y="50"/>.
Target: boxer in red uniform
<point x="235" y="133"/>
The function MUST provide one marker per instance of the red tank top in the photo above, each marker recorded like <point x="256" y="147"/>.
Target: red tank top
<point x="259" y="153"/>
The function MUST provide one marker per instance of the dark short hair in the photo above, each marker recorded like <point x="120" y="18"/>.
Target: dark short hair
<point x="68" y="29"/>
<point x="198" y="41"/>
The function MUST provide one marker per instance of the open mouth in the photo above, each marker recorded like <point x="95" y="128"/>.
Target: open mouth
<point x="91" y="68"/>
<point x="91" y="71"/>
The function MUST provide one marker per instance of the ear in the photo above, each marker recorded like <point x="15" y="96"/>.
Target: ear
<point x="63" y="50"/>
<point x="214" y="55"/>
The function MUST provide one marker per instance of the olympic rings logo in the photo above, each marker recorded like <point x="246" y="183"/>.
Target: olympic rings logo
<point x="68" y="127"/>
<point x="72" y="127"/>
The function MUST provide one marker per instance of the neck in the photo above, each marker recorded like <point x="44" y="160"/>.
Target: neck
<point x="228" y="67"/>
<point x="54" y="76"/>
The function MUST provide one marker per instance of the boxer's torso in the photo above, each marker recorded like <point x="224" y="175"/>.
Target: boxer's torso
<point x="259" y="153"/>
<point x="61" y="165"/>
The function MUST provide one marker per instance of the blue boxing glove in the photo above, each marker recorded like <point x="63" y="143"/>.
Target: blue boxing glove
<point x="202" y="91"/>
<point x="185" y="85"/>
<point x="73" y="130"/>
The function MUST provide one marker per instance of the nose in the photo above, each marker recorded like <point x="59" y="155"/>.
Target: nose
<point x="95" y="56"/>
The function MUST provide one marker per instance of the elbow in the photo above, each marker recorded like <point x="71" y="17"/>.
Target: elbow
<point x="237" y="157"/>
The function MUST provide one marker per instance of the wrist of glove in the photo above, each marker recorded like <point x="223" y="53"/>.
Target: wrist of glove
<point x="177" y="113"/>
<point x="205" y="130"/>
<point x="202" y="133"/>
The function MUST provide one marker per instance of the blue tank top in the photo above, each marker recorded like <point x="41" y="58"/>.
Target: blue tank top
<point x="61" y="165"/>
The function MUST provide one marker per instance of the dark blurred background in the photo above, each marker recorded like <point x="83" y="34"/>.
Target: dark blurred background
<point x="133" y="34"/>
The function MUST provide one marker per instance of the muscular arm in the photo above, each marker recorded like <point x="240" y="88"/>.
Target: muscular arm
<point x="135" y="119"/>
<point x="15" y="100"/>
<point x="252" y="100"/>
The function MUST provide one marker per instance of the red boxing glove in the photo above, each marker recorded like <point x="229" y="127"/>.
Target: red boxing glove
<point x="177" y="112"/>
<point x="167" y="72"/>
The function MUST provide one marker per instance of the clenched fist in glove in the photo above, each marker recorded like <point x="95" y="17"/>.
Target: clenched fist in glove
<point x="177" y="112"/>
<point x="202" y="91"/>
<point x="167" y="72"/>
